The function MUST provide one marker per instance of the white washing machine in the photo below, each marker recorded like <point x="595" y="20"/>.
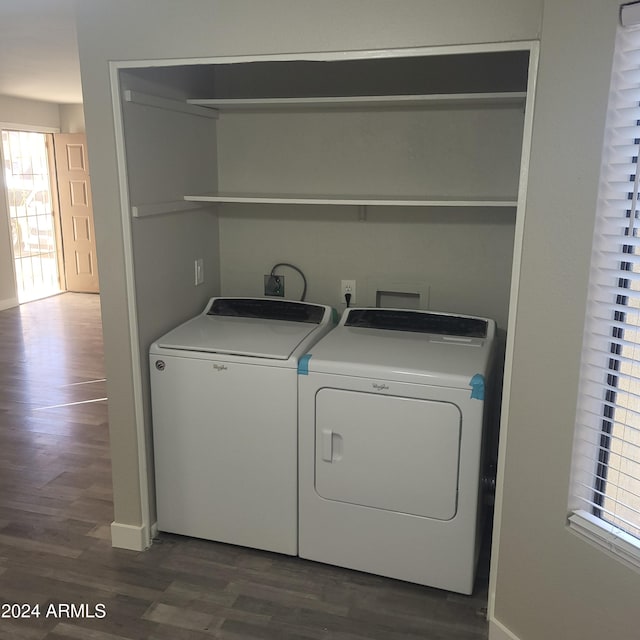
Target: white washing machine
<point x="392" y="406"/>
<point x="224" y="398"/>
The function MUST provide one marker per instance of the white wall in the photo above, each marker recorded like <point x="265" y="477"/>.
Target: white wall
<point x="550" y="583"/>
<point x="461" y="257"/>
<point x="461" y="152"/>
<point x="18" y="111"/>
<point x="71" y="118"/>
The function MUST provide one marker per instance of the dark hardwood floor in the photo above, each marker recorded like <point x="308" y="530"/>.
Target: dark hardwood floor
<point x="56" y="508"/>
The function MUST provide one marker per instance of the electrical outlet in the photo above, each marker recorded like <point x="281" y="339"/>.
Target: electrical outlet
<point x="199" y="271"/>
<point x="274" y="285"/>
<point x="348" y="286"/>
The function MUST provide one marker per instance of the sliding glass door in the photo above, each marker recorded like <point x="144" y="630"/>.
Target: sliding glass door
<point x="31" y="211"/>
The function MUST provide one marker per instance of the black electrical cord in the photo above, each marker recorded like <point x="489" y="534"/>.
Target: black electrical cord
<point x="293" y="266"/>
<point x="347" y="299"/>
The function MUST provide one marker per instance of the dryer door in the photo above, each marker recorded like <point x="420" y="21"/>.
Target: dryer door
<point x="388" y="452"/>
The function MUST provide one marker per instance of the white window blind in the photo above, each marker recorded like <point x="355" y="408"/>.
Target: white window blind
<point x="605" y="501"/>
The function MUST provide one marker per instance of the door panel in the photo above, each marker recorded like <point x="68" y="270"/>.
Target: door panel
<point x="388" y="452"/>
<point x="76" y="212"/>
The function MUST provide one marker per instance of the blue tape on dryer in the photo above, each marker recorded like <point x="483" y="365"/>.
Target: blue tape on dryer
<point x="303" y="365"/>
<point x="477" y="387"/>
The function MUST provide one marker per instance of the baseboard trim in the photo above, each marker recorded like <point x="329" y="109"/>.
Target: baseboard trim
<point x="8" y="303"/>
<point x="497" y="631"/>
<point x="127" y="536"/>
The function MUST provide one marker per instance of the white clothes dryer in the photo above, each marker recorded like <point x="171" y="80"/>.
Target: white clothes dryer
<point x="392" y="406"/>
<point x="224" y="402"/>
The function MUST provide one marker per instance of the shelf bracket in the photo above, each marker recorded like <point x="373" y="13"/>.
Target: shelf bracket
<point x="362" y="213"/>
<point x="136" y="97"/>
<point x="145" y="210"/>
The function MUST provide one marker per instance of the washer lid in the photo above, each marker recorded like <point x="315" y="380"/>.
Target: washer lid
<point x="234" y="326"/>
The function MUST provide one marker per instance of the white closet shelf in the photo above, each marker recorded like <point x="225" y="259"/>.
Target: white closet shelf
<point x="366" y="200"/>
<point x="368" y="102"/>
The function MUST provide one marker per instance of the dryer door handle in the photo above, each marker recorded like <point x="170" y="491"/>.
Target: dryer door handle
<point x="327" y="445"/>
<point x="331" y="445"/>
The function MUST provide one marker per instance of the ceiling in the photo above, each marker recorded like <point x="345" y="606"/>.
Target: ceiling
<point x="39" y="51"/>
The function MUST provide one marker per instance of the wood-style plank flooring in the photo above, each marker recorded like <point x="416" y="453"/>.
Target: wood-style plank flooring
<point x="56" y="508"/>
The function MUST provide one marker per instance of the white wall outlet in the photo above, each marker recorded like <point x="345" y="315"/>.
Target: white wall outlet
<point x="199" y="271"/>
<point x="348" y="286"/>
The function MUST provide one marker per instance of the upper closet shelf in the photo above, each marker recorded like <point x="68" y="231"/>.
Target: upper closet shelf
<point x="368" y="102"/>
<point x="366" y="200"/>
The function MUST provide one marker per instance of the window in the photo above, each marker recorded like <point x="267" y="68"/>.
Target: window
<point x="605" y="500"/>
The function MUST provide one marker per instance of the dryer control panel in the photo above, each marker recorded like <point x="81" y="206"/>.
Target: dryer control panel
<point x="418" y="322"/>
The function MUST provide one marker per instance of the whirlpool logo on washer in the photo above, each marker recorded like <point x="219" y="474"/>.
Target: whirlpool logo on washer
<point x="220" y="367"/>
<point x="380" y="386"/>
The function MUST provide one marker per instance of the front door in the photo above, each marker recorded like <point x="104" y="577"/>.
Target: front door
<point x="76" y="212"/>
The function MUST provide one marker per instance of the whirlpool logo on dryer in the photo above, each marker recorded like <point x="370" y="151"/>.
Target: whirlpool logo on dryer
<point x="220" y="367"/>
<point x="380" y="386"/>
